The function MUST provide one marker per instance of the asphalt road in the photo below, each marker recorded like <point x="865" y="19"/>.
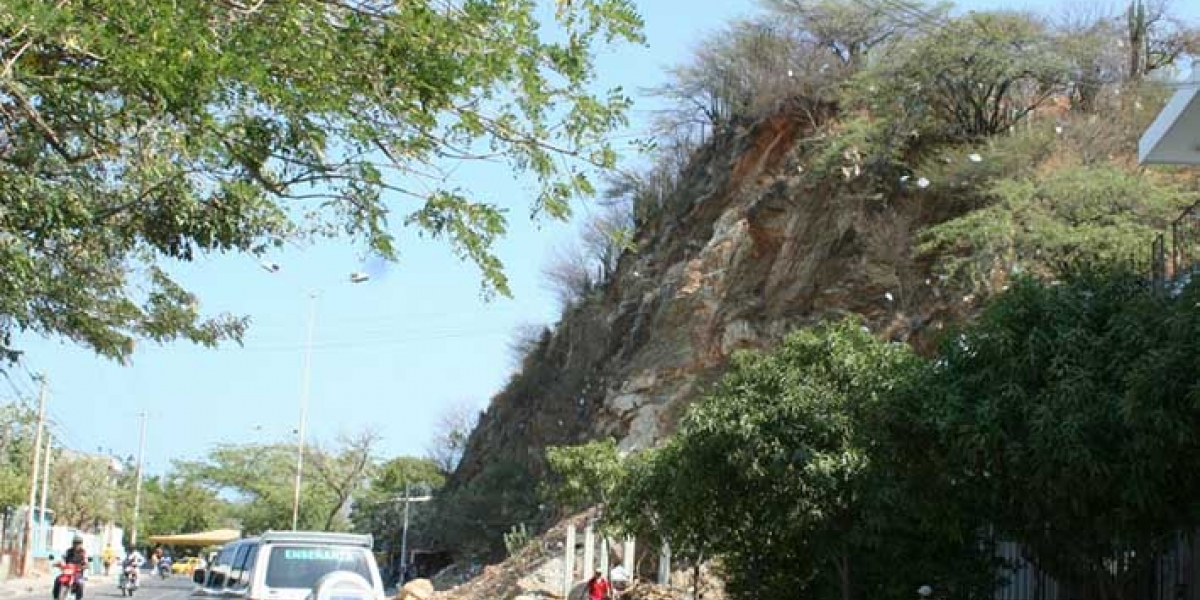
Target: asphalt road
<point x="177" y="587"/>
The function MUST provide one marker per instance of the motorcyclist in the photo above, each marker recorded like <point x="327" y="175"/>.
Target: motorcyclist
<point x="75" y="555"/>
<point x="133" y="562"/>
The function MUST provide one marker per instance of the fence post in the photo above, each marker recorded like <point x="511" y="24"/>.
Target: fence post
<point x="664" y="565"/>
<point x="569" y="562"/>
<point x="604" y="556"/>
<point x="589" y="550"/>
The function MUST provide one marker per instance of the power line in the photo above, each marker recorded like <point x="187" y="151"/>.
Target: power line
<point x="20" y="395"/>
<point x="374" y="343"/>
<point x="66" y="434"/>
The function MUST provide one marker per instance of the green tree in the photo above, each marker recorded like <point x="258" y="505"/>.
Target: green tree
<point x="173" y="504"/>
<point x="1038" y="223"/>
<point x="849" y="31"/>
<point x="377" y="511"/>
<point x="473" y="517"/>
<point x="84" y="489"/>
<point x="139" y="133"/>
<point x="17" y="429"/>
<point x="583" y="475"/>
<point x="1068" y="412"/>
<point x="784" y="473"/>
<point x="261" y="480"/>
<point x="973" y="76"/>
<point x="345" y="471"/>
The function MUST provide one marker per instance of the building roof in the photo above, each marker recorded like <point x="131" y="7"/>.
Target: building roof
<point x="206" y="538"/>
<point x="1174" y="137"/>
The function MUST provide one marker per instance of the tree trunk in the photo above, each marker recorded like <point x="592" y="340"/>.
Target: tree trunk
<point x="1137" y="40"/>
<point x="845" y="579"/>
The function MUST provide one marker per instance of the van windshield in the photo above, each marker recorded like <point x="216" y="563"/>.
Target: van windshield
<point x="303" y="566"/>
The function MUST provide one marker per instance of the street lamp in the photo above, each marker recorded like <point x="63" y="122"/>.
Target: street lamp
<point x="305" y="385"/>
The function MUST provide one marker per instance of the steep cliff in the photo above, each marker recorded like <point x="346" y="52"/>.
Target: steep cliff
<point x="748" y="249"/>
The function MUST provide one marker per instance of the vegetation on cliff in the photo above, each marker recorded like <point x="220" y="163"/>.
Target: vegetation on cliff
<point x="842" y="466"/>
<point x="981" y="148"/>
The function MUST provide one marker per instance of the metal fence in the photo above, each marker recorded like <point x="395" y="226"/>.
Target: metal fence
<point x="1173" y="575"/>
<point x="1174" y="265"/>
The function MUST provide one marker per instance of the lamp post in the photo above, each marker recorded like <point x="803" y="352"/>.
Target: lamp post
<point x="305" y="384"/>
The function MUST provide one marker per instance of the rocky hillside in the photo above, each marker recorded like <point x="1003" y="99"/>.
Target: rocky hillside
<point x="906" y="190"/>
<point x="748" y="252"/>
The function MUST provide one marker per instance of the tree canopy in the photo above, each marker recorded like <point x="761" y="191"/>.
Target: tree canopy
<point x="260" y="479"/>
<point x="378" y="511"/>
<point x="136" y="133"/>
<point x="784" y="472"/>
<point x="17" y="430"/>
<point x="85" y="491"/>
<point x="1069" y="414"/>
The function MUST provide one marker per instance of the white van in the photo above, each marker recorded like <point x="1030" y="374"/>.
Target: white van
<point x="289" y="565"/>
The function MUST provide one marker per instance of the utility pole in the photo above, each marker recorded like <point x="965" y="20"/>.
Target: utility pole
<point x="305" y="389"/>
<point x="404" y="538"/>
<point x="44" y="530"/>
<point x="137" y="486"/>
<point x="408" y="499"/>
<point x="27" y="547"/>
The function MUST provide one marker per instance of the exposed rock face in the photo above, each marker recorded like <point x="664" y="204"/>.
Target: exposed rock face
<point x="747" y="251"/>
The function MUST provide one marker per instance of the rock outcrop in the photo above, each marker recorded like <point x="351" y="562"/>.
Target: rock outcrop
<point x="748" y="249"/>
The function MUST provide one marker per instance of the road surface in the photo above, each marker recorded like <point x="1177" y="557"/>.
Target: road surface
<point x="178" y="587"/>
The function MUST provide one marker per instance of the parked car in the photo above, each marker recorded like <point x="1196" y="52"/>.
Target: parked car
<point x="186" y="566"/>
<point x="291" y="565"/>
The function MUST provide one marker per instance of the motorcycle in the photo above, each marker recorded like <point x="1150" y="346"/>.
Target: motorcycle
<point x="129" y="580"/>
<point x="67" y="582"/>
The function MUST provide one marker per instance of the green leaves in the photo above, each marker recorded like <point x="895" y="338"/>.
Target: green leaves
<point x="584" y="474"/>
<point x="970" y="78"/>
<point x="259" y="481"/>
<point x="1042" y="222"/>
<point x="139" y="131"/>
<point x="1067" y="413"/>
<point x="787" y="468"/>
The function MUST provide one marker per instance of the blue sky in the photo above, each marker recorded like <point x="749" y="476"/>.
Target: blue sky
<point x="391" y="354"/>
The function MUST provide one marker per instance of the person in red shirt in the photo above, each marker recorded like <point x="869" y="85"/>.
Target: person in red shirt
<point x="597" y="588"/>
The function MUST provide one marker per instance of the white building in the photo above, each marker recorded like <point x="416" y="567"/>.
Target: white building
<point x="1174" y="137"/>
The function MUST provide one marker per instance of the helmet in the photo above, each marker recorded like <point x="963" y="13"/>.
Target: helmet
<point x="78" y="539"/>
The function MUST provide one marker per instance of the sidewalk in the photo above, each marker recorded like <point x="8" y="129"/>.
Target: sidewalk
<point x="18" y="586"/>
<point x="23" y="586"/>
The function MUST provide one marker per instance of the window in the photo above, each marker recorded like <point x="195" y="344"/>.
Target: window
<point x="245" y="569"/>
<point x="301" y="567"/>
<point x="220" y="569"/>
<point x="236" y="567"/>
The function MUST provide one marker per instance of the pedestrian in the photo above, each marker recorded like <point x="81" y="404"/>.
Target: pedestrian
<point x="597" y="588"/>
<point x="110" y="556"/>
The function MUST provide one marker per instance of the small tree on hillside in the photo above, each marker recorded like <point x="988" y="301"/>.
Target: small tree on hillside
<point x="1157" y="39"/>
<point x="850" y="30"/>
<point x="451" y="433"/>
<point x="974" y="76"/>
<point x="583" y="476"/>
